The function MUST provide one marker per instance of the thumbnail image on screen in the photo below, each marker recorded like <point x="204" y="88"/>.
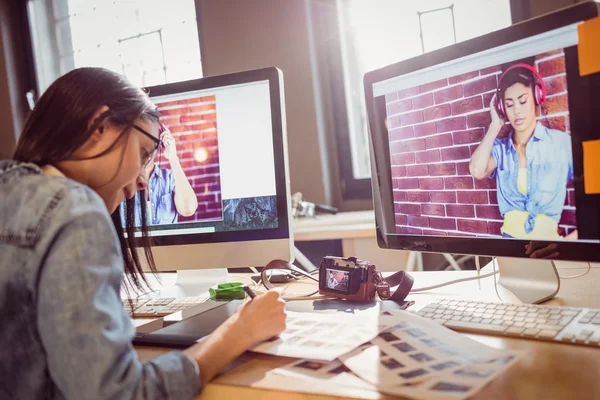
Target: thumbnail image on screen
<point x="337" y="280"/>
<point x="485" y="153"/>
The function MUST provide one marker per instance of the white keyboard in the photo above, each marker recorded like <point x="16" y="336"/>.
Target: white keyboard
<point x="562" y="324"/>
<point x="160" y="306"/>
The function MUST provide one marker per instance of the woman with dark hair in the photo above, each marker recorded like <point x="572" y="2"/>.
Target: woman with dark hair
<point x="531" y="165"/>
<point x="64" y="331"/>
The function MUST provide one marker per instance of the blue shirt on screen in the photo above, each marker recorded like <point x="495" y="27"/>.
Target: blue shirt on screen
<point x="549" y="168"/>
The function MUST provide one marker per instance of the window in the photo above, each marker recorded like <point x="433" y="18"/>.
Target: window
<point x="375" y="35"/>
<point x="149" y="41"/>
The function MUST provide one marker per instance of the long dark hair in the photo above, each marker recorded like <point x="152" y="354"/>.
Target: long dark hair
<point x="61" y="123"/>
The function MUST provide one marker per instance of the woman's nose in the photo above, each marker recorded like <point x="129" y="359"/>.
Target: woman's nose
<point x="141" y="182"/>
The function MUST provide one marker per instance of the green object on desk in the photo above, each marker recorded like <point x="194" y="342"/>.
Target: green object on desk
<point x="227" y="291"/>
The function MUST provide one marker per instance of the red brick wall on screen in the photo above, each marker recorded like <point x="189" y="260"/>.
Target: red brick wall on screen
<point x="433" y="130"/>
<point x="193" y="124"/>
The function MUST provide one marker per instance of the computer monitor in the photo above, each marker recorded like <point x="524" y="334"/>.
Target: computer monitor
<point x="451" y="177"/>
<point x="218" y="191"/>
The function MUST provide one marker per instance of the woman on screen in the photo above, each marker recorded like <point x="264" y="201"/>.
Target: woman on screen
<point x="531" y="165"/>
<point x="65" y="334"/>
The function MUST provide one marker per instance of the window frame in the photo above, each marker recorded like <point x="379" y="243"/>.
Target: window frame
<point x="34" y="70"/>
<point x="352" y="188"/>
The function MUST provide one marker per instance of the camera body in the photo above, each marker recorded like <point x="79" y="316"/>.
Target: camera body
<point x="347" y="278"/>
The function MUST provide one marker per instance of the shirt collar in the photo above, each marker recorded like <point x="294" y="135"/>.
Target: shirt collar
<point x="539" y="133"/>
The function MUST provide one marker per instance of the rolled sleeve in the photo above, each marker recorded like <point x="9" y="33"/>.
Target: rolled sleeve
<point x="86" y="332"/>
<point x="497" y="156"/>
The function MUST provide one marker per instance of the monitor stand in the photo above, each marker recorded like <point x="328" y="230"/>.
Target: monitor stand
<point x="194" y="282"/>
<point x="527" y="281"/>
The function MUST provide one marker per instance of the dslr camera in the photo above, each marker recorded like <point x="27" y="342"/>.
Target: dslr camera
<point x="348" y="278"/>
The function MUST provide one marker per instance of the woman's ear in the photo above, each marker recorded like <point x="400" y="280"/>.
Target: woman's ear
<point x="101" y="127"/>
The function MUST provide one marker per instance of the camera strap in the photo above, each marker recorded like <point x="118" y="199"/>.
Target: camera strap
<point x="402" y="279"/>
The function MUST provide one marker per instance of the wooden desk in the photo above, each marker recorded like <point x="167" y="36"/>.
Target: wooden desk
<point x="549" y="371"/>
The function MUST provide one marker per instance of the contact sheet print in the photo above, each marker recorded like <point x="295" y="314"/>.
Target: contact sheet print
<point x="412" y="357"/>
<point x="323" y="337"/>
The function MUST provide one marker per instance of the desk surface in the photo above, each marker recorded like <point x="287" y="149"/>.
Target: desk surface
<point x="549" y="371"/>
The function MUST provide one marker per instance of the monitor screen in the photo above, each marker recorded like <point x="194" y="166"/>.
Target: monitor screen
<point x="215" y="170"/>
<point x="486" y="140"/>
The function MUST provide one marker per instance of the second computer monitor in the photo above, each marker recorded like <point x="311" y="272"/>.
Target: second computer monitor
<point x="479" y="148"/>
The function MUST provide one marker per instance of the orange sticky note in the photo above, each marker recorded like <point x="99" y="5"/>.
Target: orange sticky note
<point x="591" y="166"/>
<point x="587" y="49"/>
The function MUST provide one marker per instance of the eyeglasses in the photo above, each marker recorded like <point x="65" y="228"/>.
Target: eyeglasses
<point x="146" y="160"/>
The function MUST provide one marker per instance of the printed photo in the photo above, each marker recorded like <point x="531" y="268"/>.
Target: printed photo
<point x="451" y="351"/>
<point x="502" y="360"/>
<point x="312" y="365"/>
<point x="388" y="336"/>
<point x="450" y="387"/>
<point x="341" y="369"/>
<point x="485" y="153"/>
<point x="474" y="372"/>
<point x="421" y="357"/>
<point x="400" y="325"/>
<point x="414" y="332"/>
<point x="444" y="365"/>
<point x="314" y="343"/>
<point x="391" y="363"/>
<point x="413" y="373"/>
<point x="404" y="347"/>
<point x="432" y="342"/>
<point x="291" y="339"/>
<point x="416" y="384"/>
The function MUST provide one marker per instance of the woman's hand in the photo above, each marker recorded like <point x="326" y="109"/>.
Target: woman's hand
<point x="263" y="317"/>
<point x="497" y="121"/>
<point x="254" y="321"/>
<point x="170" y="148"/>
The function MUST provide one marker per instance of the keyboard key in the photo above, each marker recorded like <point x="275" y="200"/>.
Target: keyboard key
<point x="594" y="339"/>
<point x="514" y="330"/>
<point x="568" y="337"/>
<point x="547" y="334"/>
<point x="569" y="313"/>
<point x="532" y="332"/>
<point x="487" y="328"/>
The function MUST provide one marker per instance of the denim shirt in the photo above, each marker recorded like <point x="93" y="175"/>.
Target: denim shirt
<point x="549" y="168"/>
<point x="63" y="331"/>
<point x="161" y="188"/>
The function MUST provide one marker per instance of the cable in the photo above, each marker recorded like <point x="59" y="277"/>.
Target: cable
<point x="496" y="283"/>
<point x="577" y="275"/>
<point x="423" y="289"/>
<point x="478" y="267"/>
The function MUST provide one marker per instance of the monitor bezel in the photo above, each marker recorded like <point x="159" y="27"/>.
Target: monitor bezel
<point x="274" y="77"/>
<point x="381" y="163"/>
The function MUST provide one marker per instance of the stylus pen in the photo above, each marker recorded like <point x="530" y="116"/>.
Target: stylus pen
<point x="249" y="291"/>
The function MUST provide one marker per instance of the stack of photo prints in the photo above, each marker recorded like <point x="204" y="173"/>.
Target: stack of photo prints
<point x="409" y="356"/>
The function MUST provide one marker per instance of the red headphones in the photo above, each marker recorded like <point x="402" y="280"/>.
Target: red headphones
<point x="539" y="89"/>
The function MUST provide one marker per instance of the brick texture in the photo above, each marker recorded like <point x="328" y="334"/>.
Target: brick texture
<point x="433" y="130"/>
<point x="193" y="124"/>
